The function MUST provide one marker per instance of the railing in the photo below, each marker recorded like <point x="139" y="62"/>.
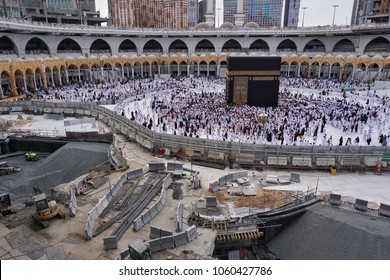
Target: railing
<point x="152" y="140"/>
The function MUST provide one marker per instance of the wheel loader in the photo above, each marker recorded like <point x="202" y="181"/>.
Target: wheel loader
<point x="30" y="156"/>
<point x="44" y="209"/>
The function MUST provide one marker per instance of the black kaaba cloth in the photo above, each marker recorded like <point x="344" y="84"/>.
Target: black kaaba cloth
<point x="253" y="80"/>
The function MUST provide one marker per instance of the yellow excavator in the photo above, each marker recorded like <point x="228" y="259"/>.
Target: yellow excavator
<point x="30" y="156"/>
<point x="45" y="209"/>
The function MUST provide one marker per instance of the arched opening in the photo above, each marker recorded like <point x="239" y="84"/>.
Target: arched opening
<point x="146" y="69"/>
<point x="30" y="80"/>
<point x="178" y="47"/>
<point x="259" y="46"/>
<point x="153" y="47"/>
<point x="38" y="78"/>
<point x="56" y="74"/>
<point x="36" y="46"/>
<point x="7" y="47"/>
<point x="372" y="72"/>
<point x="128" y="70"/>
<point x="100" y="47"/>
<point x="85" y="73"/>
<point x="335" y="70"/>
<point x="378" y="45"/>
<point x="212" y="68"/>
<point x="204" y="46"/>
<point x="203" y="68"/>
<point x="284" y="68"/>
<point x="154" y="68"/>
<point x="314" y="69"/>
<point x="194" y="68"/>
<point x="293" y="69"/>
<point x="325" y="70"/>
<point x="348" y="72"/>
<point x="6" y="85"/>
<point x="286" y="46"/>
<point x="174" y="70"/>
<point x="137" y="69"/>
<point x="118" y="72"/>
<point x="385" y="74"/>
<point x="183" y="68"/>
<point x="69" y="46"/>
<point x="107" y="72"/>
<point x="231" y="46"/>
<point x="222" y="69"/>
<point x="19" y="81"/>
<point x="314" y="46"/>
<point x="304" y="69"/>
<point x="344" y="46"/>
<point x="127" y="46"/>
<point x="63" y="75"/>
<point x="73" y="73"/>
<point x="96" y="72"/>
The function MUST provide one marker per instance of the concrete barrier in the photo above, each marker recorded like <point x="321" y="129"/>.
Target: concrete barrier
<point x="325" y="161"/>
<point x="213" y="187"/>
<point x="301" y="161"/>
<point x="372" y="161"/>
<point x="245" y="158"/>
<point x="156" y="166"/>
<point x="349" y="161"/>
<point x="278" y="160"/>
<point x="216" y="155"/>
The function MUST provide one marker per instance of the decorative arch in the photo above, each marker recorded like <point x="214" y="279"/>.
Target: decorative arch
<point x="69" y="46"/>
<point x="178" y="46"/>
<point x="231" y="46"/>
<point x="8" y="46"/>
<point x="204" y="46"/>
<point x="127" y="46"/>
<point x="344" y="46"/>
<point x="152" y="47"/>
<point x="286" y="46"/>
<point x="315" y="45"/>
<point x="377" y="45"/>
<point x="259" y="46"/>
<point x="100" y="47"/>
<point x="36" y="46"/>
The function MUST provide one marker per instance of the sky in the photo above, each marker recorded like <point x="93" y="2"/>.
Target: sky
<point x="318" y="12"/>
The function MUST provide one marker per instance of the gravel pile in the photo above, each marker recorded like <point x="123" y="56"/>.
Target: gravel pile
<point x="329" y="233"/>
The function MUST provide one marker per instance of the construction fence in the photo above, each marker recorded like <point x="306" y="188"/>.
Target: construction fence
<point x="243" y="153"/>
<point x="104" y="201"/>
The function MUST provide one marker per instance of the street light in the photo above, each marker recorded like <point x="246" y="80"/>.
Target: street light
<point x="334" y="13"/>
<point x="303" y="17"/>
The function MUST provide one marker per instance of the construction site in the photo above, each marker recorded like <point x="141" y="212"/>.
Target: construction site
<point x="73" y="197"/>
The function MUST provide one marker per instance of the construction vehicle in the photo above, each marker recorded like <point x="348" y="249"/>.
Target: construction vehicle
<point x="45" y="209"/>
<point x="6" y="169"/>
<point x="5" y="204"/>
<point x="30" y="156"/>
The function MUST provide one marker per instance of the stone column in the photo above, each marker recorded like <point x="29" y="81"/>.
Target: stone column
<point x="25" y="83"/>
<point x="52" y="78"/>
<point x="330" y="71"/>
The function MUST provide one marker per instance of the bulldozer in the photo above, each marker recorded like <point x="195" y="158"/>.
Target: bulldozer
<point x="5" y="204"/>
<point x="44" y="209"/>
<point x="30" y="156"/>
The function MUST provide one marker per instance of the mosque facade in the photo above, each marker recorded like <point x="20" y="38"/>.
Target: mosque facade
<point x="38" y="55"/>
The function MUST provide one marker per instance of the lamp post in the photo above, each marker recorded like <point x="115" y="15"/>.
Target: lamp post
<point x="334" y="13"/>
<point x="263" y="118"/>
<point x="303" y="16"/>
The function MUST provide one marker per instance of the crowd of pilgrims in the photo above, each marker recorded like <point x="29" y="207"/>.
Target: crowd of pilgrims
<point x="196" y="107"/>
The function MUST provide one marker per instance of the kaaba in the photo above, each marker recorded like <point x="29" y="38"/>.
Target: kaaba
<point x="253" y="80"/>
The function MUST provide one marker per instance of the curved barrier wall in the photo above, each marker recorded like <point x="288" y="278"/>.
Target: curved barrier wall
<point x="152" y="140"/>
